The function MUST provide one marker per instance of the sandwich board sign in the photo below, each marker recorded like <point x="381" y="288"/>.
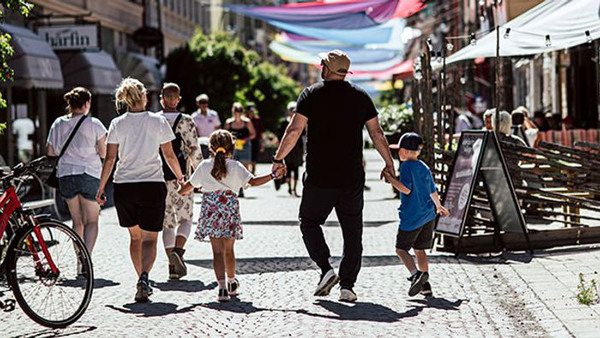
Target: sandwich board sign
<point x="479" y="152"/>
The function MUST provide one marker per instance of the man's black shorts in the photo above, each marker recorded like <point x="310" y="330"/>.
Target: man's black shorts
<point x="141" y="204"/>
<point x="420" y="239"/>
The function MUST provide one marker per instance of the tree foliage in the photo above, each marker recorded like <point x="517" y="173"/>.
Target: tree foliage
<point x="215" y="64"/>
<point x="6" y="73"/>
<point x="271" y="90"/>
<point x="221" y="67"/>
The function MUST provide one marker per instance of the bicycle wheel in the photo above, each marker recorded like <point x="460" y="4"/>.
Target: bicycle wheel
<point x="50" y="273"/>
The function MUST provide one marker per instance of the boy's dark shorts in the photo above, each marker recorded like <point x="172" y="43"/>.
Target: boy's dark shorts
<point x="141" y="204"/>
<point x="419" y="239"/>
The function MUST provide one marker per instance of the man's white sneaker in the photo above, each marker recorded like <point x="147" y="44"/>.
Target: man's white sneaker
<point x="328" y="281"/>
<point x="347" y="295"/>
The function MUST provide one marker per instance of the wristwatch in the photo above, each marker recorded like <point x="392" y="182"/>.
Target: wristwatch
<point x="276" y="160"/>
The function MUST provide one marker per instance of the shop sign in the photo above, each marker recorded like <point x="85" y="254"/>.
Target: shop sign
<point x="71" y="37"/>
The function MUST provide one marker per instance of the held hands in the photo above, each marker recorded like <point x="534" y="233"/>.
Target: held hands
<point x="388" y="170"/>
<point x="280" y="172"/>
<point x="279" y="169"/>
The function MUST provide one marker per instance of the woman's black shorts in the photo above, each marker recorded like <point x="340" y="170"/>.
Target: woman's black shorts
<point x="142" y="204"/>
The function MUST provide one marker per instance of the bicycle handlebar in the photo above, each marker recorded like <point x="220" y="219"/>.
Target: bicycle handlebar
<point x="22" y="168"/>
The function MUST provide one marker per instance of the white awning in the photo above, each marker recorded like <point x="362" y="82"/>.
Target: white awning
<point x="565" y="22"/>
<point x="34" y="62"/>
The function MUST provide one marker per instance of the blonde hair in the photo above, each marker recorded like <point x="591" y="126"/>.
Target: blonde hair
<point x="130" y="92"/>
<point x="218" y="141"/>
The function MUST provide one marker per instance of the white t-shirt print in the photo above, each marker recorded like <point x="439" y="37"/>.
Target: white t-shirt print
<point x="139" y="136"/>
<point x="237" y="177"/>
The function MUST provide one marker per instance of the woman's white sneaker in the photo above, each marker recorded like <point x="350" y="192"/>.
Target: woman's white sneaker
<point x="347" y="295"/>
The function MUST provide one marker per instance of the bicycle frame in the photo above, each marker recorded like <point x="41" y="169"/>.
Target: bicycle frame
<point x="10" y="203"/>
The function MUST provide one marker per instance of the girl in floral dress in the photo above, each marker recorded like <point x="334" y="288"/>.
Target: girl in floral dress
<point x="219" y="178"/>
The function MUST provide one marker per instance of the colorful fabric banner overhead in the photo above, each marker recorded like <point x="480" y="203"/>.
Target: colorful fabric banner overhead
<point x="342" y="15"/>
<point x="358" y="53"/>
<point x="361" y="60"/>
<point x="390" y="31"/>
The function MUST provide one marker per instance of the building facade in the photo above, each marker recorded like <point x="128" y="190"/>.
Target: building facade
<point x="57" y="61"/>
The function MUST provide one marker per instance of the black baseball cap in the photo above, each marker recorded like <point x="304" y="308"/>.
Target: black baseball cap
<point x="409" y="141"/>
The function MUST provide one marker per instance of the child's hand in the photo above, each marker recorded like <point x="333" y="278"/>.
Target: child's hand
<point x="280" y="172"/>
<point x="387" y="177"/>
<point x="443" y="211"/>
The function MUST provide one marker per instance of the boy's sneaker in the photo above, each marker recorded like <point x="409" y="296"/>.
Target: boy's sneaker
<point x="233" y="286"/>
<point x="426" y="291"/>
<point x="416" y="282"/>
<point x="223" y="295"/>
<point x="328" y="281"/>
<point x="176" y="259"/>
<point x="347" y="295"/>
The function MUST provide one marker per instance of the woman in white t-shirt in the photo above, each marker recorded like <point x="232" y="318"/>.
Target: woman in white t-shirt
<point x="79" y="168"/>
<point x="140" y="192"/>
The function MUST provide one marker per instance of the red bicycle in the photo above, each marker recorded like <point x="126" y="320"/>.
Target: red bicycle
<point x="46" y="264"/>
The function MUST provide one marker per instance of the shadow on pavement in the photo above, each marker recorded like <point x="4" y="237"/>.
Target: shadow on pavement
<point x="100" y="283"/>
<point x="364" y="311"/>
<point x="237" y="306"/>
<point x="438" y="303"/>
<point x="248" y="266"/>
<point x="70" y="331"/>
<point x="152" y="309"/>
<point x="184" y="285"/>
<point x="366" y="224"/>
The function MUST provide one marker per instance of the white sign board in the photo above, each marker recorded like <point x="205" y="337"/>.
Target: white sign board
<point x="70" y="37"/>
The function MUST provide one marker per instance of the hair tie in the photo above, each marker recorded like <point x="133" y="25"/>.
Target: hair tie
<point x="221" y="150"/>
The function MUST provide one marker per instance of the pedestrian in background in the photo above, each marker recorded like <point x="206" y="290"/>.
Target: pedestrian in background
<point x="140" y="191"/>
<point x="335" y="112"/>
<point x="23" y="128"/>
<point x="219" y="178"/>
<point x="80" y="165"/>
<point x="259" y="129"/>
<point x="242" y="129"/>
<point x="179" y="209"/>
<point x="419" y="205"/>
<point x="295" y="158"/>
<point x="206" y="120"/>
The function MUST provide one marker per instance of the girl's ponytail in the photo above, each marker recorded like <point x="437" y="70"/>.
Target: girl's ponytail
<point x="221" y="144"/>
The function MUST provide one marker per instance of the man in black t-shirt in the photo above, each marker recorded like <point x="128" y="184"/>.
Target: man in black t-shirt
<point x="335" y="112"/>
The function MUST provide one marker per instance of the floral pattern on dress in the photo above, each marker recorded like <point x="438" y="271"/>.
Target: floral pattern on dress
<point x="219" y="216"/>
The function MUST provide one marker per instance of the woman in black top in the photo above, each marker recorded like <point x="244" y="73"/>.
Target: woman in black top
<point x="242" y="129"/>
<point x="295" y="158"/>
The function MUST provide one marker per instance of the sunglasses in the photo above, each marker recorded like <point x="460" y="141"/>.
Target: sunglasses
<point x="238" y="110"/>
<point x="202" y="102"/>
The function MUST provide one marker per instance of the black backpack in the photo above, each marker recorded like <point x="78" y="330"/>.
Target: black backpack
<point x="177" y="149"/>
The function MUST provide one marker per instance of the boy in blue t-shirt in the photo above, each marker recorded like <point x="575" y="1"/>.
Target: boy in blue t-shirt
<point x="419" y="205"/>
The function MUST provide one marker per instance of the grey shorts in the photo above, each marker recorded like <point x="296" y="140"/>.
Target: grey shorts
<point x="420" y="239"/>
<point x="73" y="185"/>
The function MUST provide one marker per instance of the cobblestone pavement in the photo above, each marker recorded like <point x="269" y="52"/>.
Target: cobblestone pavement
<point x="482" y="296"/>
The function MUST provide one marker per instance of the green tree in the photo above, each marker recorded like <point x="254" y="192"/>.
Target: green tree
<point x="271" y="90"/>
<point x="216" y="64"/>
<point x="221" y="67"/>
<point x="6" y="73"/>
